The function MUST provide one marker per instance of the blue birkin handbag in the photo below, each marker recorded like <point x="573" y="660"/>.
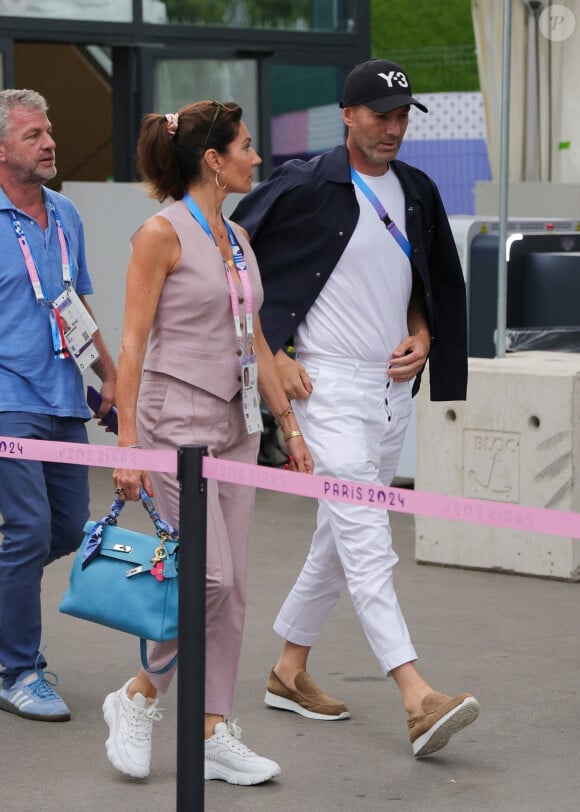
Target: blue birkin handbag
<point x="127" y="580"/>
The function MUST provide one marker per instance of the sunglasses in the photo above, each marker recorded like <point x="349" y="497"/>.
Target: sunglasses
<point x="218" y="107"/>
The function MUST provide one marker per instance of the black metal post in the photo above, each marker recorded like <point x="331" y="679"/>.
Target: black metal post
<point x="191" y="675"/>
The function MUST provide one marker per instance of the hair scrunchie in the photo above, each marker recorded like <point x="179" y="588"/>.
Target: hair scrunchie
<point x="172" y="123"/>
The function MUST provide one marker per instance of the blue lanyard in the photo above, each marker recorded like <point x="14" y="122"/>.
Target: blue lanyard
<point x="391" y="227"/>
<point x="240" y="263"/>
<point x="198" y="215"/>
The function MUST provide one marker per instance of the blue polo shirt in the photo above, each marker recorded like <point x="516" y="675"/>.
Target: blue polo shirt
<point x="31" y="378"/>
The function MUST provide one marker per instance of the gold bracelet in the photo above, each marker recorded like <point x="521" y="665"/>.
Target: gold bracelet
<point x="284" y="413"/>
<point x="292" y="434"/>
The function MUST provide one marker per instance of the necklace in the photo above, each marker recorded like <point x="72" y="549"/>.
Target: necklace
<point x="221" y="236"/>
<point x="218" y="227"/>
<point x="217" y="231"/>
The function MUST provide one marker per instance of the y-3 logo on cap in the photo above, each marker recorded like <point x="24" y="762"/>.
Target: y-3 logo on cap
<point x="398" y="77"/>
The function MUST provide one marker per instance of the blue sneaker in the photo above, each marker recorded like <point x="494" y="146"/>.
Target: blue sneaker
<point x="33" y="697"/>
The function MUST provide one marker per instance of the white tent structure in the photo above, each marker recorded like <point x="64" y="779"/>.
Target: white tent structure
<point x="544" y="122"/>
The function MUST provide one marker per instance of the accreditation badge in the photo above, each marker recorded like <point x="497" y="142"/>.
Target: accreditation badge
<point x="78" y="328"/>
<point x="250" y="396"/>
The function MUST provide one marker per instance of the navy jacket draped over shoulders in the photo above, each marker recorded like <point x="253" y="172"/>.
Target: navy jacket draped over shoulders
<point x="300" y="221"/>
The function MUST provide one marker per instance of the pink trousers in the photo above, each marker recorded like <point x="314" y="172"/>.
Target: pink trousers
<point x="172" y="413"/>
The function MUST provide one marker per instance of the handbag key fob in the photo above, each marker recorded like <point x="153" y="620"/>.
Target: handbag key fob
<point x="157" y="570"/>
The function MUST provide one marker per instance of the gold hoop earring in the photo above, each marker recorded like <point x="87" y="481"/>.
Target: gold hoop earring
<point x="217" y="183"/>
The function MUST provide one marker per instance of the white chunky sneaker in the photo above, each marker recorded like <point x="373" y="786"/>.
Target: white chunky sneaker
<point x="130" y="723"/>
<point x="228" y="759"/>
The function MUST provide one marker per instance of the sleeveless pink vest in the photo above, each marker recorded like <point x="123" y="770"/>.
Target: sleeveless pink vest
<point x="193" y="337"/>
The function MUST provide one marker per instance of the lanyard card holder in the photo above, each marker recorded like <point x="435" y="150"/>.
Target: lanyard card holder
<point x="77" y="327"/>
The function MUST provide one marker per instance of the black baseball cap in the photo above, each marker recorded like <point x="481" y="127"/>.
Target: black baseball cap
<point x="383" y="86"/>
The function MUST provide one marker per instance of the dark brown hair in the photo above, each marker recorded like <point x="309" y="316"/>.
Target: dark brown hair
<point x="169" y="163"/>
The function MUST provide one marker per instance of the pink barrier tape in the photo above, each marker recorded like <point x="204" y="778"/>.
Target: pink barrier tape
<point x="100" y="456"/>
<point x="402" y="500"/>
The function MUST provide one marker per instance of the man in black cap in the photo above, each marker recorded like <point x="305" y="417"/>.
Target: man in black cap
<point x="361" y="274"/>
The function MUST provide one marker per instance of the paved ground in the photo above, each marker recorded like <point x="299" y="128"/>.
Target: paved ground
<point x="512" y="641"/>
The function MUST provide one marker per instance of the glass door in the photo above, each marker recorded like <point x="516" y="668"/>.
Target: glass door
<point x="173" y="78"/>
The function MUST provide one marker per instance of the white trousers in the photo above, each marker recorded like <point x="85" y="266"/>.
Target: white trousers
<point x="354" y="423"/>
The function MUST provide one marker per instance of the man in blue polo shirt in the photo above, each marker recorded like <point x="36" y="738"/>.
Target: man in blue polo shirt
<point x="43" y="506"/>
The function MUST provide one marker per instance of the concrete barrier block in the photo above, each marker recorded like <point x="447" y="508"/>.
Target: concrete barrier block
<point x="516" y="439"/>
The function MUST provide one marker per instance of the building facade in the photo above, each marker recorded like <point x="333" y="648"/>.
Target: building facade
<point x="103" y="64"/>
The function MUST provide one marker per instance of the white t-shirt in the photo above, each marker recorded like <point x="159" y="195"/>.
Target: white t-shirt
<point x="361" y="312"/>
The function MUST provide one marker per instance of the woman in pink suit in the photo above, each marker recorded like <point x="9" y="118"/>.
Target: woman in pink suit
<point x="191" y="334"/>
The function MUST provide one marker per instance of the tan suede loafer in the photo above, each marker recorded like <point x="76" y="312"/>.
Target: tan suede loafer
<point x="442" y="717"/>
<point x="307" y="699"/>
